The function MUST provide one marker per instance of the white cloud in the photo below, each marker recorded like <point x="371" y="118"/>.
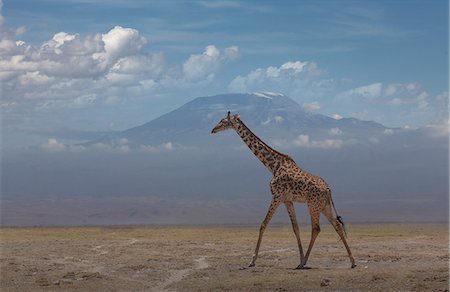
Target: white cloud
<point x="54" y="146"/>
<point x="443" y="97"/>
<point x="168" y="146"/>
<point x="115" y="146"/>
<point x="278" y="119"/>
<point x="152" y="65"/>
<point x="83" y="100"/>
<point x="58" y="40"/>
<point x="336" y="116"/>
<point x="311" y="106"/>
<point x="74" y="71"/>
<point x="266" y="122"/>
<point x="441" y="129"/>
<point x="204" y="66"/>
<point x="394" y="94"/>
<point x="78" y="102"/>
<point x="335" y="132"/>
<point x="304" y="141"/>
<point x="296" y="78"/>
<point x="362" y="115"/>
<point x="388" y="132"/>
<point x="367" y="92"/>
<point x="120" y="42"/>
<point x="374" y="140"/>
<point x="395" y="104"/>
<point x="35" y="79"/>
<point x="396" y="88"/>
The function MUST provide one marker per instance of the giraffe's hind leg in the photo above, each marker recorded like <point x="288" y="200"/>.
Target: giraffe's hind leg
<point x="339" y="229"/>
<point x="291" y="211"/>
<point x="315" y="216"/>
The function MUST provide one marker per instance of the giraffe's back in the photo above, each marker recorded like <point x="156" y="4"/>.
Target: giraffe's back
<point x="298" y="185"/>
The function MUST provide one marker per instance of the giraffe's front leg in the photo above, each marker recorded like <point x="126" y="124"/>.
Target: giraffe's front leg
<point x="291" y="211"/>
<point x="273" y="207"/>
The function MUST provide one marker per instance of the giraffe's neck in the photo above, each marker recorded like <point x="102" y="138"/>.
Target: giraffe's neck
<point x="268" y="156"/>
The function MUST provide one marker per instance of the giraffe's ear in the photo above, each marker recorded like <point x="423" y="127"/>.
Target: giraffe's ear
<point x="238" y="116"/>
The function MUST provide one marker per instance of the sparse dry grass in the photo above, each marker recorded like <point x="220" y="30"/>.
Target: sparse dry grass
<point x="390" y="257"/>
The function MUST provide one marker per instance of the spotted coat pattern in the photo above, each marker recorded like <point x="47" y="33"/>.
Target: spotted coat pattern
<point x="289" y="184"/>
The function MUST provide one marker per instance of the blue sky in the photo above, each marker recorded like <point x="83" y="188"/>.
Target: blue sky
<point x="109" y="65"/>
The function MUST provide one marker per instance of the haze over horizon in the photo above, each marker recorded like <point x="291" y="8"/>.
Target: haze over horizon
<point x="106" y="108"/>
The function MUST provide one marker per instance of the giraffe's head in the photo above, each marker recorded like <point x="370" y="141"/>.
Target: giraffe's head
<point x="225" y="123"/>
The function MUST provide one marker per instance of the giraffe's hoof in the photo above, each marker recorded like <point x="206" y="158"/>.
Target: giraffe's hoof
<point x="243" y="268"/>
<point x="251" y="265"/>
<point x="353" y="266"/>
<point x="302" y="267"/>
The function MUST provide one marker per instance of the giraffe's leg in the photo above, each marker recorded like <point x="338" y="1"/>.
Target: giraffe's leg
<point x="315" y="216"/>
<point x="273" y="206"/>
<point x="291" y="211"/>
<point x="339" y="229"/>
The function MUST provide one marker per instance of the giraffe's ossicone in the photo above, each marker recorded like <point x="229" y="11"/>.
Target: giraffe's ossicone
<point x="289" y="184"/>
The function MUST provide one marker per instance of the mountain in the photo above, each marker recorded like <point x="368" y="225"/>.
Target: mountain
<point x="271" y="115"/>
<point x="172" y="170"/>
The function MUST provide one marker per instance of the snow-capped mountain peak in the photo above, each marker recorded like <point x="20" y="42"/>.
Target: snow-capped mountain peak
<point x="267" y="94"/>
<point x="273" y="115"/>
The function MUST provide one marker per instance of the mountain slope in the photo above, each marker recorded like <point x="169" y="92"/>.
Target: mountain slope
<point x="273" y="116"/>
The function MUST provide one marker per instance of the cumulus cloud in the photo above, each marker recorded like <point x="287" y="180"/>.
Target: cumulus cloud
<point x="367" y="92"/>
<point x="441" y="129"/>
<point x="388" y="132"/>
<point x="394" y="94"/>
<point x="120" y="42"/>
<point x="53" y="145"/>
<point x="275" y="119"/>
<point x="393" y="104"/>
<point x="311" y="106"/>
<point x="119" y="145"/>
<point x="203" y="67"/>
<point x="168" y="146"/>
<point x="303" y="78"/>
<point x="322" y="142"/>
<point x="278" y="119"/>
<point x="362" y="115"/>
<point x="336" y="116"/>
<point x="304" y="141"/>
<point x="402" y="102"/>
<point x="74" y="71"/>
<point x="70" y="67"/>
<point x="335" y="131"/>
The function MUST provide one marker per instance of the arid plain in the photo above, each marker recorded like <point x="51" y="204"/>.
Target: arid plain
<point x="390" y="257"/>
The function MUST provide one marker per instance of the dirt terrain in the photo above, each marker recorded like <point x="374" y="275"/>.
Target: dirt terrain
<point x="390" y="257"/>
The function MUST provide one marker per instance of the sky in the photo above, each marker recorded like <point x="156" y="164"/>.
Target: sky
<point x="73" y="71"/>
<point x="87" y="65"/>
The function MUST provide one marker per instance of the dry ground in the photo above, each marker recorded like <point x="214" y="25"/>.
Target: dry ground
<point x="390" y="257"/>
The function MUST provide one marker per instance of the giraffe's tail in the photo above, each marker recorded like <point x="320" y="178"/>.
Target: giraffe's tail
<point x="339" y="218"/>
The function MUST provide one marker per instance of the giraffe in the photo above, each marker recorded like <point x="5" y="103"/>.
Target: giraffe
<point x="289" y="184"/>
